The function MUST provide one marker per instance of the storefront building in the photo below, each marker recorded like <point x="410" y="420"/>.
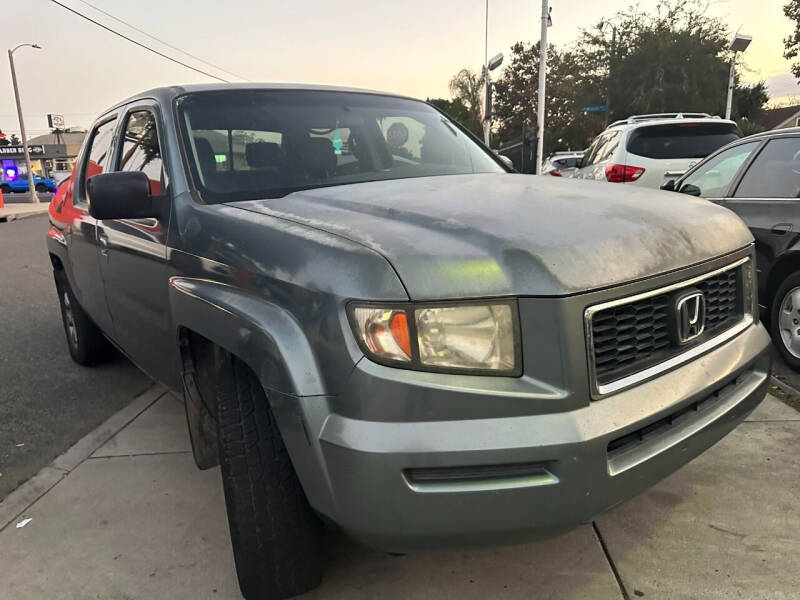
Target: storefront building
<point x="52" y="155"/>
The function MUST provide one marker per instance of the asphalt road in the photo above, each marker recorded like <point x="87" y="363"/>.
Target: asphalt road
<point x="47" y="402"/>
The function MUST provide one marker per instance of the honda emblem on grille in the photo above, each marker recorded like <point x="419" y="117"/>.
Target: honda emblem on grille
<point x="690" y="310"/>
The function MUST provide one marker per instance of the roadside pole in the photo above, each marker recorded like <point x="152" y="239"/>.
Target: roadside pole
<point x="610" y="67"/>
<point x="738" y="44"/>
<point x="542" y="78"/>
<point x="730" y="87"/>
<point x="31" y="185"/>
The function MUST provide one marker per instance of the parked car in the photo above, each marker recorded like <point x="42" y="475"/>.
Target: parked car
<point x="20" y="184"/>
<point x="647" y="150"/>
<point x="374" y="323"/>
<point x="758" y="177"/>
<point x="562" y="164"/>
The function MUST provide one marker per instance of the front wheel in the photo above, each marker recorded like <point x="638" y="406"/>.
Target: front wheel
<point x="86" y="343"/>
<point x="785" y="320"/>
<point x="276" y="537"/>
<point x="41" y="188"/>
<point x="6" y="189"/>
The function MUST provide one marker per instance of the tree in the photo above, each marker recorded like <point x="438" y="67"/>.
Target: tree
<point x="14" y="140"/>
<point x="459" y="112"/>
<point x="791" y="44"/>
<point x="673" y="59"/>
<point x="749" y="100"/>
<point x="568" y="91"/>
<point x="467" y="87"/>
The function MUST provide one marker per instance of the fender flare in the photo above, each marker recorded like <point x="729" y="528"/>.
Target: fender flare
<point x="260" y="333"/>
<point x="786" y="263"/>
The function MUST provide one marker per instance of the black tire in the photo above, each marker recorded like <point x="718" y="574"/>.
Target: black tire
<point x="86" y="343"/>
<point x="785" y="320"/>
<point x="6" y="189"/>
<point x="276" y="537"/>
<point x="40" y="187"/>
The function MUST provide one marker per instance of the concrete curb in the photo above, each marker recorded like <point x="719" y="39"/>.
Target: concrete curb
<point x="11" y="212"/>
<point x="784" y="386"/>
<point x="19" y="500"/>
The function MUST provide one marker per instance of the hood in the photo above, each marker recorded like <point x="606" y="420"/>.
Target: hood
<point x="481" y="235"/>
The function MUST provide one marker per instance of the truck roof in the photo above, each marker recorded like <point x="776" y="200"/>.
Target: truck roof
<point x="168" y="93"/>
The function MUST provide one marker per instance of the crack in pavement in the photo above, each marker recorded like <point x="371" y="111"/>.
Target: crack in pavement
<point x="610" y="560"/>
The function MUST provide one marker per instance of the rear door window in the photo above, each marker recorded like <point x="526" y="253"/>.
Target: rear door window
<point x="681" y="140"/>
<point x="100" y="149"/>
<point x="602" y="148"/>
<point x="98" y="154"/>
<point x="609" y="146"/>
<point x="775" y="173"/>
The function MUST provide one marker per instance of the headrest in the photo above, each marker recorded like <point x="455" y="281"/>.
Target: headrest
<point x="263" y="154"/>
<point x="205" y="154"/>
<point x="317" y="155"/>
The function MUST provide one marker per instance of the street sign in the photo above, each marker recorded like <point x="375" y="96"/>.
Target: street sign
<point x="594" y="108"/>
<point x="17" y="150"/>
<point x="55" y="121"/>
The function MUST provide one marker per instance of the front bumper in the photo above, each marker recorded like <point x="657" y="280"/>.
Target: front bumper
<point x="400" y="486"/>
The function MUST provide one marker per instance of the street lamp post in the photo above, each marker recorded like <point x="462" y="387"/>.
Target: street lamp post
<point x="31" y="185"/>
<point x="489" y="64"/>
<point x="739" y="43"/>
<point x="546" y="22"/>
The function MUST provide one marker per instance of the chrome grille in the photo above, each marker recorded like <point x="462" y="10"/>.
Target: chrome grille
<point x="722" y="293"/>
<point x="627" y="337"/>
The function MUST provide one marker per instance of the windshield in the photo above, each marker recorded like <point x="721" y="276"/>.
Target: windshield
<point x="681" y="140"/>
<point x="244" y="145"/>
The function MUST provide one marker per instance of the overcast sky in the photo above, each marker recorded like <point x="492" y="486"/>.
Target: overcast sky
<point x="412" y="47"/>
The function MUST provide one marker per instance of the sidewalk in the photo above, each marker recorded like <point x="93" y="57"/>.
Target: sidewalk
<point x="9" y="212"/>
<point x="125" y="514"/>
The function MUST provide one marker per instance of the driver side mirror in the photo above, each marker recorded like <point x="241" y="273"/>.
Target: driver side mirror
<point x="121" y="195"/>
<point x="668" y="186"/>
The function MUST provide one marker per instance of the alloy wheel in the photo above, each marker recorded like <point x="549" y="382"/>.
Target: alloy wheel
<point x="789" y="321"/>
<point x="69" y="320"/>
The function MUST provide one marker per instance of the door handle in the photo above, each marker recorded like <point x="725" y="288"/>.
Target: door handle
<point x="781" y="228"/>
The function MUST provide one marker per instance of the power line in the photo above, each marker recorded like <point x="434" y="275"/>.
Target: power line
<point x="125" y="37"/>
<point x="160" y="41"/>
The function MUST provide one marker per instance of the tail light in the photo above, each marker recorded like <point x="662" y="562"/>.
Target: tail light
<point x="623" y="173"/>
<point x="554" y="173"/>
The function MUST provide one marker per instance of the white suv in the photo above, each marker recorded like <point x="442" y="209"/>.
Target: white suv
<point x="649" y="150"/>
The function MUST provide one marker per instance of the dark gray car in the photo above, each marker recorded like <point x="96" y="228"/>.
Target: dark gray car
<point x="758" y="178"/>
<point x="375" y="325"/>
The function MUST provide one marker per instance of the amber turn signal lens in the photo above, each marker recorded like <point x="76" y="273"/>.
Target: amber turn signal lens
<point x="399" y="326"/>
<point x="384" y="332"/>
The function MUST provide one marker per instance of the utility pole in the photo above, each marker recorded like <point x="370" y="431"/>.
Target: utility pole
<point x="31" y="185"/>
<point x="487" y="124"/>
<point x="610" y="67"/>
<point x="542" y="78"/>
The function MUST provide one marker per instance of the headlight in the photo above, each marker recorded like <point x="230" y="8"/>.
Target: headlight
<point x="479" y="337"/>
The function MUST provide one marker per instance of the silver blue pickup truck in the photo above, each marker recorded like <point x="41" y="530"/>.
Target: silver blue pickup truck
<point x="376" y="325"/>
